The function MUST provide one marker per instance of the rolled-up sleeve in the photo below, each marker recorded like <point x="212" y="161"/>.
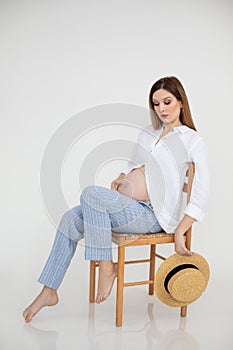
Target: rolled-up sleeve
<point x="197" y="205"/>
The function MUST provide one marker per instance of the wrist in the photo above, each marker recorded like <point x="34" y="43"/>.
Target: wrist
<point x="179" y="233"/>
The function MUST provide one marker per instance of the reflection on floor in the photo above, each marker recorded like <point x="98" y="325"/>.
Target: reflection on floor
<point x="147" y="324"/>
<point x="155" y="338"/>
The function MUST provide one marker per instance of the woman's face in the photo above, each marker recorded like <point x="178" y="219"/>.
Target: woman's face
<point x="167" y="107"/>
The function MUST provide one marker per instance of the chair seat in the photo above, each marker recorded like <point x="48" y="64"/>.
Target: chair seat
<point x="141" y="239"/>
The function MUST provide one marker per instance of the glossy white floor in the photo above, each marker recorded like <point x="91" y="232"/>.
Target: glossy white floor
<point x="148" y="324"/>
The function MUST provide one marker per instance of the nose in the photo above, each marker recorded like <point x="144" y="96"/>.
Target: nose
<point x="161" y="107"/>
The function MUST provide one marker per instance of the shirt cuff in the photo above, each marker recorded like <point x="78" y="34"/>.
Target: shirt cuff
<point x="195" y="212"/>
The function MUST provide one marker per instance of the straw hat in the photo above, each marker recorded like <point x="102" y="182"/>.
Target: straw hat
<point x="180" y="280"/>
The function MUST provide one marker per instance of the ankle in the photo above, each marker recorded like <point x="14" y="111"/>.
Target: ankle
<point x="49" y="290"/>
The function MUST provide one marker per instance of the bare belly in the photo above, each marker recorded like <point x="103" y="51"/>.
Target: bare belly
<point x="134" y="185"/>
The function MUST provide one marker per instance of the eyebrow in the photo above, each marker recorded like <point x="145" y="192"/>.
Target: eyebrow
<point x="162" y="98"/>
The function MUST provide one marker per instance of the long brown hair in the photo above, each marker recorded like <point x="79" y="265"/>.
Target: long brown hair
<point x="174" y="86"/>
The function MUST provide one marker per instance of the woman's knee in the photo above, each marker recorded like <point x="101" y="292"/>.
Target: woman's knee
<point x="95" y="191"/>
<point x="88" y="191"/>
<point x="97" y="194"/>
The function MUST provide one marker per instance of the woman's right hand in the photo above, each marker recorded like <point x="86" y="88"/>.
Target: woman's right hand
<point x="115" y="183"/>
<point x="180" y="246"/>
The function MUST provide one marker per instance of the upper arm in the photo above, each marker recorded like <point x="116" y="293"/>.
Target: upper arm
<point x="201" y="182"/>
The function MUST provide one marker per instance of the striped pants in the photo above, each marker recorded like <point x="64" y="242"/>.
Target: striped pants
<point x="101" y="210"/>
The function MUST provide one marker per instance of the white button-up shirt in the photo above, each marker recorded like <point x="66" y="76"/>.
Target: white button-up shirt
<point x="166" y="162"/>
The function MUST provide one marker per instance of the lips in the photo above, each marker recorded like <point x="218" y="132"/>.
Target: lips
<point x="164" y="115"/>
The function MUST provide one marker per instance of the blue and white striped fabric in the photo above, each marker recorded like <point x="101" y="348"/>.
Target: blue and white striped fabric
<point x="101" y="210"/>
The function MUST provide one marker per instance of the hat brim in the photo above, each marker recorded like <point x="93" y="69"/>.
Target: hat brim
<point x="168" y="265"/>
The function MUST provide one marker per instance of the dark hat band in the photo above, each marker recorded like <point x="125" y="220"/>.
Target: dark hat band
<point x="174" y="271"/>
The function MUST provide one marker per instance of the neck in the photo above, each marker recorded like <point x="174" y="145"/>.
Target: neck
<point x="170" y="126"/>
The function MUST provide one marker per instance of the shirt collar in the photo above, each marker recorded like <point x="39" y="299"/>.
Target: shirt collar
<point x="181" y="129"/>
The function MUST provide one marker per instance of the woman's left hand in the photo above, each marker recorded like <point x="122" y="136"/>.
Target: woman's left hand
<point x="180" y="246"/>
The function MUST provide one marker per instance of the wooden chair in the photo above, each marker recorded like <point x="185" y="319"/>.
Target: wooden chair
<point x="124" y="240"/>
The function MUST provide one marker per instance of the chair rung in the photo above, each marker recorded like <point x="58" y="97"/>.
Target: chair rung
<point x="160" y="257"/>
<point x="129" y="262"/>
<point x="129" y="284"/>
<point x="137" y="261"/>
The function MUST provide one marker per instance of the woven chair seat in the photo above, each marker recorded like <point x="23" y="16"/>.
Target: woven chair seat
<point x="133" y="236"/>
<point x="141" y="239"/>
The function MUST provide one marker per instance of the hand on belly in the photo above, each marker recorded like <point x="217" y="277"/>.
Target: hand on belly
<point x="134" y="185"/>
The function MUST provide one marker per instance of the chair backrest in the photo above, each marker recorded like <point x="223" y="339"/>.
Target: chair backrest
<point x="188" y="185"/>
<point x="187" y="188"/>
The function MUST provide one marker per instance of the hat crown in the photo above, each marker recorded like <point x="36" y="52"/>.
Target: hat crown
<point x="186" y="285"/>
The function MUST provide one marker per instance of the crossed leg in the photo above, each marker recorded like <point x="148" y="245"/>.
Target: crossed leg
<point x="100" y="212"/>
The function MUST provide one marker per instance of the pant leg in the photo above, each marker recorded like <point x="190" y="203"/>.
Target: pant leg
<point x="104" y="210"/>
<point x="69" y="232"/>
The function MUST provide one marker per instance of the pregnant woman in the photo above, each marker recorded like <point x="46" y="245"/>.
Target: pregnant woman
<point x="146" y="197"/>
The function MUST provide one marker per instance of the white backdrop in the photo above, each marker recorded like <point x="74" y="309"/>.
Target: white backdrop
<point x="59" y="58"/>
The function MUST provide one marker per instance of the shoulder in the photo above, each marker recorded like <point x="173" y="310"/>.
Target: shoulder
<point x="190" y="137"/>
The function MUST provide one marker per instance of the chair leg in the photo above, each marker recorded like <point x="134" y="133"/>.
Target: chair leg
<point x="152" y="268"/>
<point x="120" y="285"/>
<point x="92" y="281"/>
<point x="183" y="311"/>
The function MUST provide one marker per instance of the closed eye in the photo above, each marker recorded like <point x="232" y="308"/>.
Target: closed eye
<point x="165" y="102"/>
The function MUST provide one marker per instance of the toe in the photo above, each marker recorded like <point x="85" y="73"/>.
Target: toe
<point x="97" y="300"/>
<point x="28" y="315"/>
<point x="25" y="314"/>
<point x="27" y="318"/>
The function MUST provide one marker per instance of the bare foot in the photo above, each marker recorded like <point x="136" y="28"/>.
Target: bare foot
<point x="47" y="297"/>
<point x="107" y="275"/>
